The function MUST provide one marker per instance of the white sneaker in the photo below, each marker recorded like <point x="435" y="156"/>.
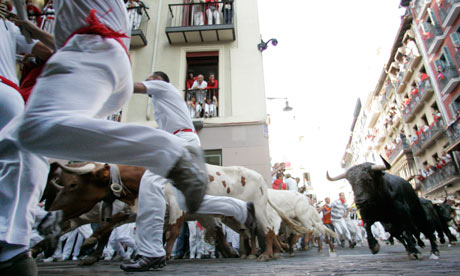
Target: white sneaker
<point x="74" y="258"/>
<point x="198" y="256"/>
<point x="48" y="260"/>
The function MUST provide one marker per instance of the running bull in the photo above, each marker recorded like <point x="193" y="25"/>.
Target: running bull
<point x="391" y="200"/>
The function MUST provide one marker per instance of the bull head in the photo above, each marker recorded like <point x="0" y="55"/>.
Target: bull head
<point x="343" y="175"/>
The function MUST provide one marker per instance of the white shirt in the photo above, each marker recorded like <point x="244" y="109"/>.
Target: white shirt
<point x="291" y="184"/>
<point x="170" y="109"/>
<point x="71" y="15"/>
<point x="196" y="85"/>
<point x="12" y="42"/>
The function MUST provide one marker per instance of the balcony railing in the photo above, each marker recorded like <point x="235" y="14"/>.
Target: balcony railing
<point x="138" y="19"/>
<point x="453" y="132"/>
<point x="202" y="22"/>
<point x="448" y="12"/>
<point x="439" y="177"/>
<point x="420" y="7"/>
<point x="433" y="35"/>
<point x="457" y="57"/>
<point x="428" y="137"/>
<point x="425" y="90"/>
<point x="448" y="79"/>
<point x="198" y="104"/>
<point x="393" y="153"/>
<point x="387" y="94"/>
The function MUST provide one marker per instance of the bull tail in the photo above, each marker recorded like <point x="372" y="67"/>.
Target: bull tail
<point x="294" y="225"/>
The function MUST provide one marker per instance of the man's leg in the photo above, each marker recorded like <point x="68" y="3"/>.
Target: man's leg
<point x="149" y="224"/>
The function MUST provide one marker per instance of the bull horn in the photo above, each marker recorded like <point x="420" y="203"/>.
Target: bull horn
<point x="384" y="167"/>
<point x="59" y="187"/>
<point x="340" y="176"/>
<point x="80" y="170"/>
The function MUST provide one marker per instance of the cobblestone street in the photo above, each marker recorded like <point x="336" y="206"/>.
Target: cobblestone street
<point x="392" y="260"/>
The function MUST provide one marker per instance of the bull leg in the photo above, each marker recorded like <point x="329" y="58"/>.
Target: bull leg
<point x="434" y="246"/>
<point x="97" y="253"/>
<point x="222" y="245"/>
<point x="412" y="252"/>
<point x="268" y="253"/>
<point x="278" y="247"/>
<point x="38" y="248"/>
<point x="446" y="230"/>
<point x="244" y="247"/>
<point x="320" y="244"/>
<point x="306" y="244"/>
<point x="374" y="245"/>
<point x="172" y="232"/>
<point x="292" y="242"/>
<point x="253" y="246"/>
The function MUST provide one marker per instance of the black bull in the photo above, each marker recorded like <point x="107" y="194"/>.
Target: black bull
<point x="392" y="201"/>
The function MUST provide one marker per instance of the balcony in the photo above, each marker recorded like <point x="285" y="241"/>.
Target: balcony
<point x="448" y="12"/>
<point x="428" y="138"/>
<point x="420" y="7"/>
<point x="401" y="84"/>
<point x="197" y="23"/>
<point x="425" y="91"/>
<point x="401" y="147"/>
<point x="457" y="58"/>
<point x="433" y="38"/>
<point x="387" y="94"/>
<point x="441" y="177"/>
<point x="197" y="104"/>
<point x="138" y="19"/>
<point x="453" y="132"/>
<point x="449" y="79"/>
<point x="374" y="113"/>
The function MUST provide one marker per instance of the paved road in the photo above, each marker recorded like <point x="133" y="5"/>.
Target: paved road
<point x="392" y="260"/>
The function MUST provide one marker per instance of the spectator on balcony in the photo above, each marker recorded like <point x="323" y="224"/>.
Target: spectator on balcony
<point x="405" y="102"/>
<point x="436" y="115"/>
<point x="200" y="84"/>
<point x="440" y="72"/>
<point x="198" y="13"/>
<point x="291" y="183"/>
<point x="423" y="77"/>
<point x="439" y="163"/>
<point x="227" y="10"/>
<point x="425" y="128"/>
<point x="421" y="175"/>
<point x="446" y="157"/>
<point x="134" y="13"/>
<point x="212" y="85"/>
<point x="412" y="139"/>
<point x="278" y="184"/>
<point x="429" y="169"/>
<point x="411" y="48"/>
<point x="210" y="107"/>
<point x="212" y="12"/>
<point x="190" y="80"/>
<point x="194" y="108"/>
<point x="414" y="92"/>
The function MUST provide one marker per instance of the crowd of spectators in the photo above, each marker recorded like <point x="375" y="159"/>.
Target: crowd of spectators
<point x="202" y="95"/>
<point x="430" y="169"/>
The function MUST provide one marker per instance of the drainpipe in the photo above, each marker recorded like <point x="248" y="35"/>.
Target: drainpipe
<point x="157" y="36"/>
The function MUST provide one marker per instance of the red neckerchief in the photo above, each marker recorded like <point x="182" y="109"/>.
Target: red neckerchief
<point x="343" y="201"/>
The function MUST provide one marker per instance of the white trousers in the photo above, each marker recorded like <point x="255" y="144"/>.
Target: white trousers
<point x="213" y="16"/>
<point x="196" y="240"/>
<point x="152" y="208"/>
<point x="341" y="229"/>
<point x="121" y="235"/>
<point x="91" y="78"/>
<point x="355" y="232"/>
<point x="11" y="104"/>
<point x="75" y="240"/>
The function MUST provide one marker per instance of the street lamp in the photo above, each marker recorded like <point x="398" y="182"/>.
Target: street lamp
<point x="287" y="107"/>
<point x="262" y="46"/>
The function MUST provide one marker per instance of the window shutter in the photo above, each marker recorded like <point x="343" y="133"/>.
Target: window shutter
<point x="455" y="36"/>
<point x="446" y="53"/>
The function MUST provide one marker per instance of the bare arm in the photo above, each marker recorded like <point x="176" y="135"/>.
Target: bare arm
<point x="36" y="32"/>
<point x="42" y="51"/>
<point x="139" y="87"/>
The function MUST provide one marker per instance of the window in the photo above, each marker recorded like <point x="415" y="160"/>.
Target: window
<point x="213" y="157"/>
<point x="455" y="37"/>
<point x="202" y="86"/>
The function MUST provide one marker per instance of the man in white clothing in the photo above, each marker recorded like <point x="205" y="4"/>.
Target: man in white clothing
<point x="172" y="116"/>
<point x="18" y="196"/>
<point x="88" y="78"/>
<point x="339" y="211"/>
<point x="291" y="183"/>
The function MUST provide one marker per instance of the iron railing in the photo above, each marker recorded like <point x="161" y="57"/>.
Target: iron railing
<point x="199" y="14"/>
<point x="439" y="175"/>
<point x="198" y="97"/>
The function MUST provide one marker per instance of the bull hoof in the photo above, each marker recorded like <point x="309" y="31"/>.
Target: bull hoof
<point x="252" y="257"/>
<point x="89" y="260"/>
<point x="436" y="253"/>
<point x="263" y="258"/>
<point x="412" y="256"/>
<point x="442" y="241"/>
<point x="292" y="254"/>
<point x="375" y="249"/>
<point x="243" y="256"/>
<point x="276" y="256"/>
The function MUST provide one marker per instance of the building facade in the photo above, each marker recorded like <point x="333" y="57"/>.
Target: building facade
<point x="410" y="118"/>
<point x="219" y="38"/>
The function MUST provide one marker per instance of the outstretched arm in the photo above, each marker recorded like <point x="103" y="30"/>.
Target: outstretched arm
<point x="139" y="87"/>
<point x="36" y="33"/>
